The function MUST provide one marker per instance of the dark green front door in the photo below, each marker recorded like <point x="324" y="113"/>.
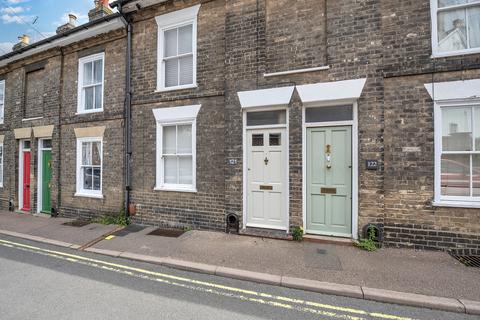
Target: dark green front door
<point x="46" y="178"/>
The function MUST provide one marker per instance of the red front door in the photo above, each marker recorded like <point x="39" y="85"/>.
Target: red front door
<point x="26" y="181"/>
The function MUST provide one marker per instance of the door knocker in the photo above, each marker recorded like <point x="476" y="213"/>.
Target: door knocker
<point x="328" y="152"/>
<point x="266" y="161"/>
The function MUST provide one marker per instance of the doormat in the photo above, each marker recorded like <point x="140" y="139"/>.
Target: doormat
<point x="469" y="261"/>
<point x="132" y="228"/>
<point x="171" y="233"/>
<point x="76" y="223"/>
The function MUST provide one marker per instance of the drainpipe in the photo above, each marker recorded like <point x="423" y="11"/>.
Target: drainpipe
<point x="127" y="106"/>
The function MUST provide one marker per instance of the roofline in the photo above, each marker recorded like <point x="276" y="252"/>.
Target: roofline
<point x="65" y="34"/>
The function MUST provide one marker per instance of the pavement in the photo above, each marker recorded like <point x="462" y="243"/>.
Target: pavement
<point x="402" y="276"/>
<point x="43" y="281"/>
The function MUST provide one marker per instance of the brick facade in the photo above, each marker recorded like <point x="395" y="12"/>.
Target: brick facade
<point x="42" y="91"/>
<point x="240" y="44"/>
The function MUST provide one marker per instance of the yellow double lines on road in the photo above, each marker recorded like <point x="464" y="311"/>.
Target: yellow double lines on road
<point x="326" y="310"/>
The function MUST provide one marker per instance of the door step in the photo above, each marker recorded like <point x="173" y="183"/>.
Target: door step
<point x="265" y="233"/>
<point x="329" y="240"/>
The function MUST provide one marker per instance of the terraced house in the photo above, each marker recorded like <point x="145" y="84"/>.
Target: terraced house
<point x="326" y="115"/>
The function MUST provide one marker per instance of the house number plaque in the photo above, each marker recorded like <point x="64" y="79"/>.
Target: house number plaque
<point x="371" y="164"/>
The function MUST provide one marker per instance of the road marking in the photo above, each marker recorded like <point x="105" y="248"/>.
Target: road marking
<point x="259" y="297"/>
<point x="110" y="237"/>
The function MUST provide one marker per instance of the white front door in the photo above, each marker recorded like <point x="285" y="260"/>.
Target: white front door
<point x="267" y="174"/>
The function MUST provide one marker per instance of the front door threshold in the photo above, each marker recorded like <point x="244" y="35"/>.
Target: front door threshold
<point x="265" y="233"/>
<point x="328" y="239"/>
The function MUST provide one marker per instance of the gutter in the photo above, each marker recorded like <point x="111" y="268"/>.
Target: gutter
<point x="127" y="106"/>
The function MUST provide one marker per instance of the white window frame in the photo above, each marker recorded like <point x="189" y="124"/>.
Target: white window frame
<point x="2" y="165"/>
<point x="439" y="199"/>
<point x="168" y="117"/>
<point x="434" y="13"/>
<point x="2" y="103"/>
<point x="80" y="191"/>
<point x="174" y="20"/>
<point x="80" y="94"/>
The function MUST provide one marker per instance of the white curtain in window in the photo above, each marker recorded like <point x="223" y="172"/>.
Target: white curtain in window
<point x="91" y="165"/>
<point x="86" y="153"/>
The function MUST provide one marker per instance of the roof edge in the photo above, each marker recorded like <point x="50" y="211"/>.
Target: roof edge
<point x="62" y="35"/>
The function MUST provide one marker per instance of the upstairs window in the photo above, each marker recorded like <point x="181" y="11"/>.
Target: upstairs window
<point x="177" y="49"/>
<point x="90" y="83"/>
<point x="2" y="101"/>
<point x="455" y="26"/>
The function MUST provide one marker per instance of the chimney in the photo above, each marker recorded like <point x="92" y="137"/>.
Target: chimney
<point x="72" y="23"/>
<point x="101" y="9"/>
<point x="24" y="41"/>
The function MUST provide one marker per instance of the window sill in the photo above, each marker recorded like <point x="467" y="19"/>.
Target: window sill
<point x="455" y="53"/>
<point x="189" y="86"/>
<point x="173" y="189"/>
<point x="88" y="195"/>
<point x="89" y="111"/>
<point x="31" y="119"/>
<point x="456" y="204"/>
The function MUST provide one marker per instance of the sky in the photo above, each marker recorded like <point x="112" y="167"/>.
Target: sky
<point x="37" y="18"/>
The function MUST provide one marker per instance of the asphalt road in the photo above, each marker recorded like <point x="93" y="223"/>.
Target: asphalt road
<point x="39" y="281"/>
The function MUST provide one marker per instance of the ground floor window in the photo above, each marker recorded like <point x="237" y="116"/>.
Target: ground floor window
<point x="458" y="159"/>
<point x="176" y="155"/>
<point x="176" y="148"/>
<point x="89" y="166"/>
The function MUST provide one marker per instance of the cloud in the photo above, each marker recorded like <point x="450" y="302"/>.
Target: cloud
<point x="17" y="1"/>
<point x="8" y="18"/>
<point x="13" y="10"/>
<point x="5" y="47"/>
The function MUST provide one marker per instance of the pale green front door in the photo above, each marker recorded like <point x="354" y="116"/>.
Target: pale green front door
<point x="329" y="181"/>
